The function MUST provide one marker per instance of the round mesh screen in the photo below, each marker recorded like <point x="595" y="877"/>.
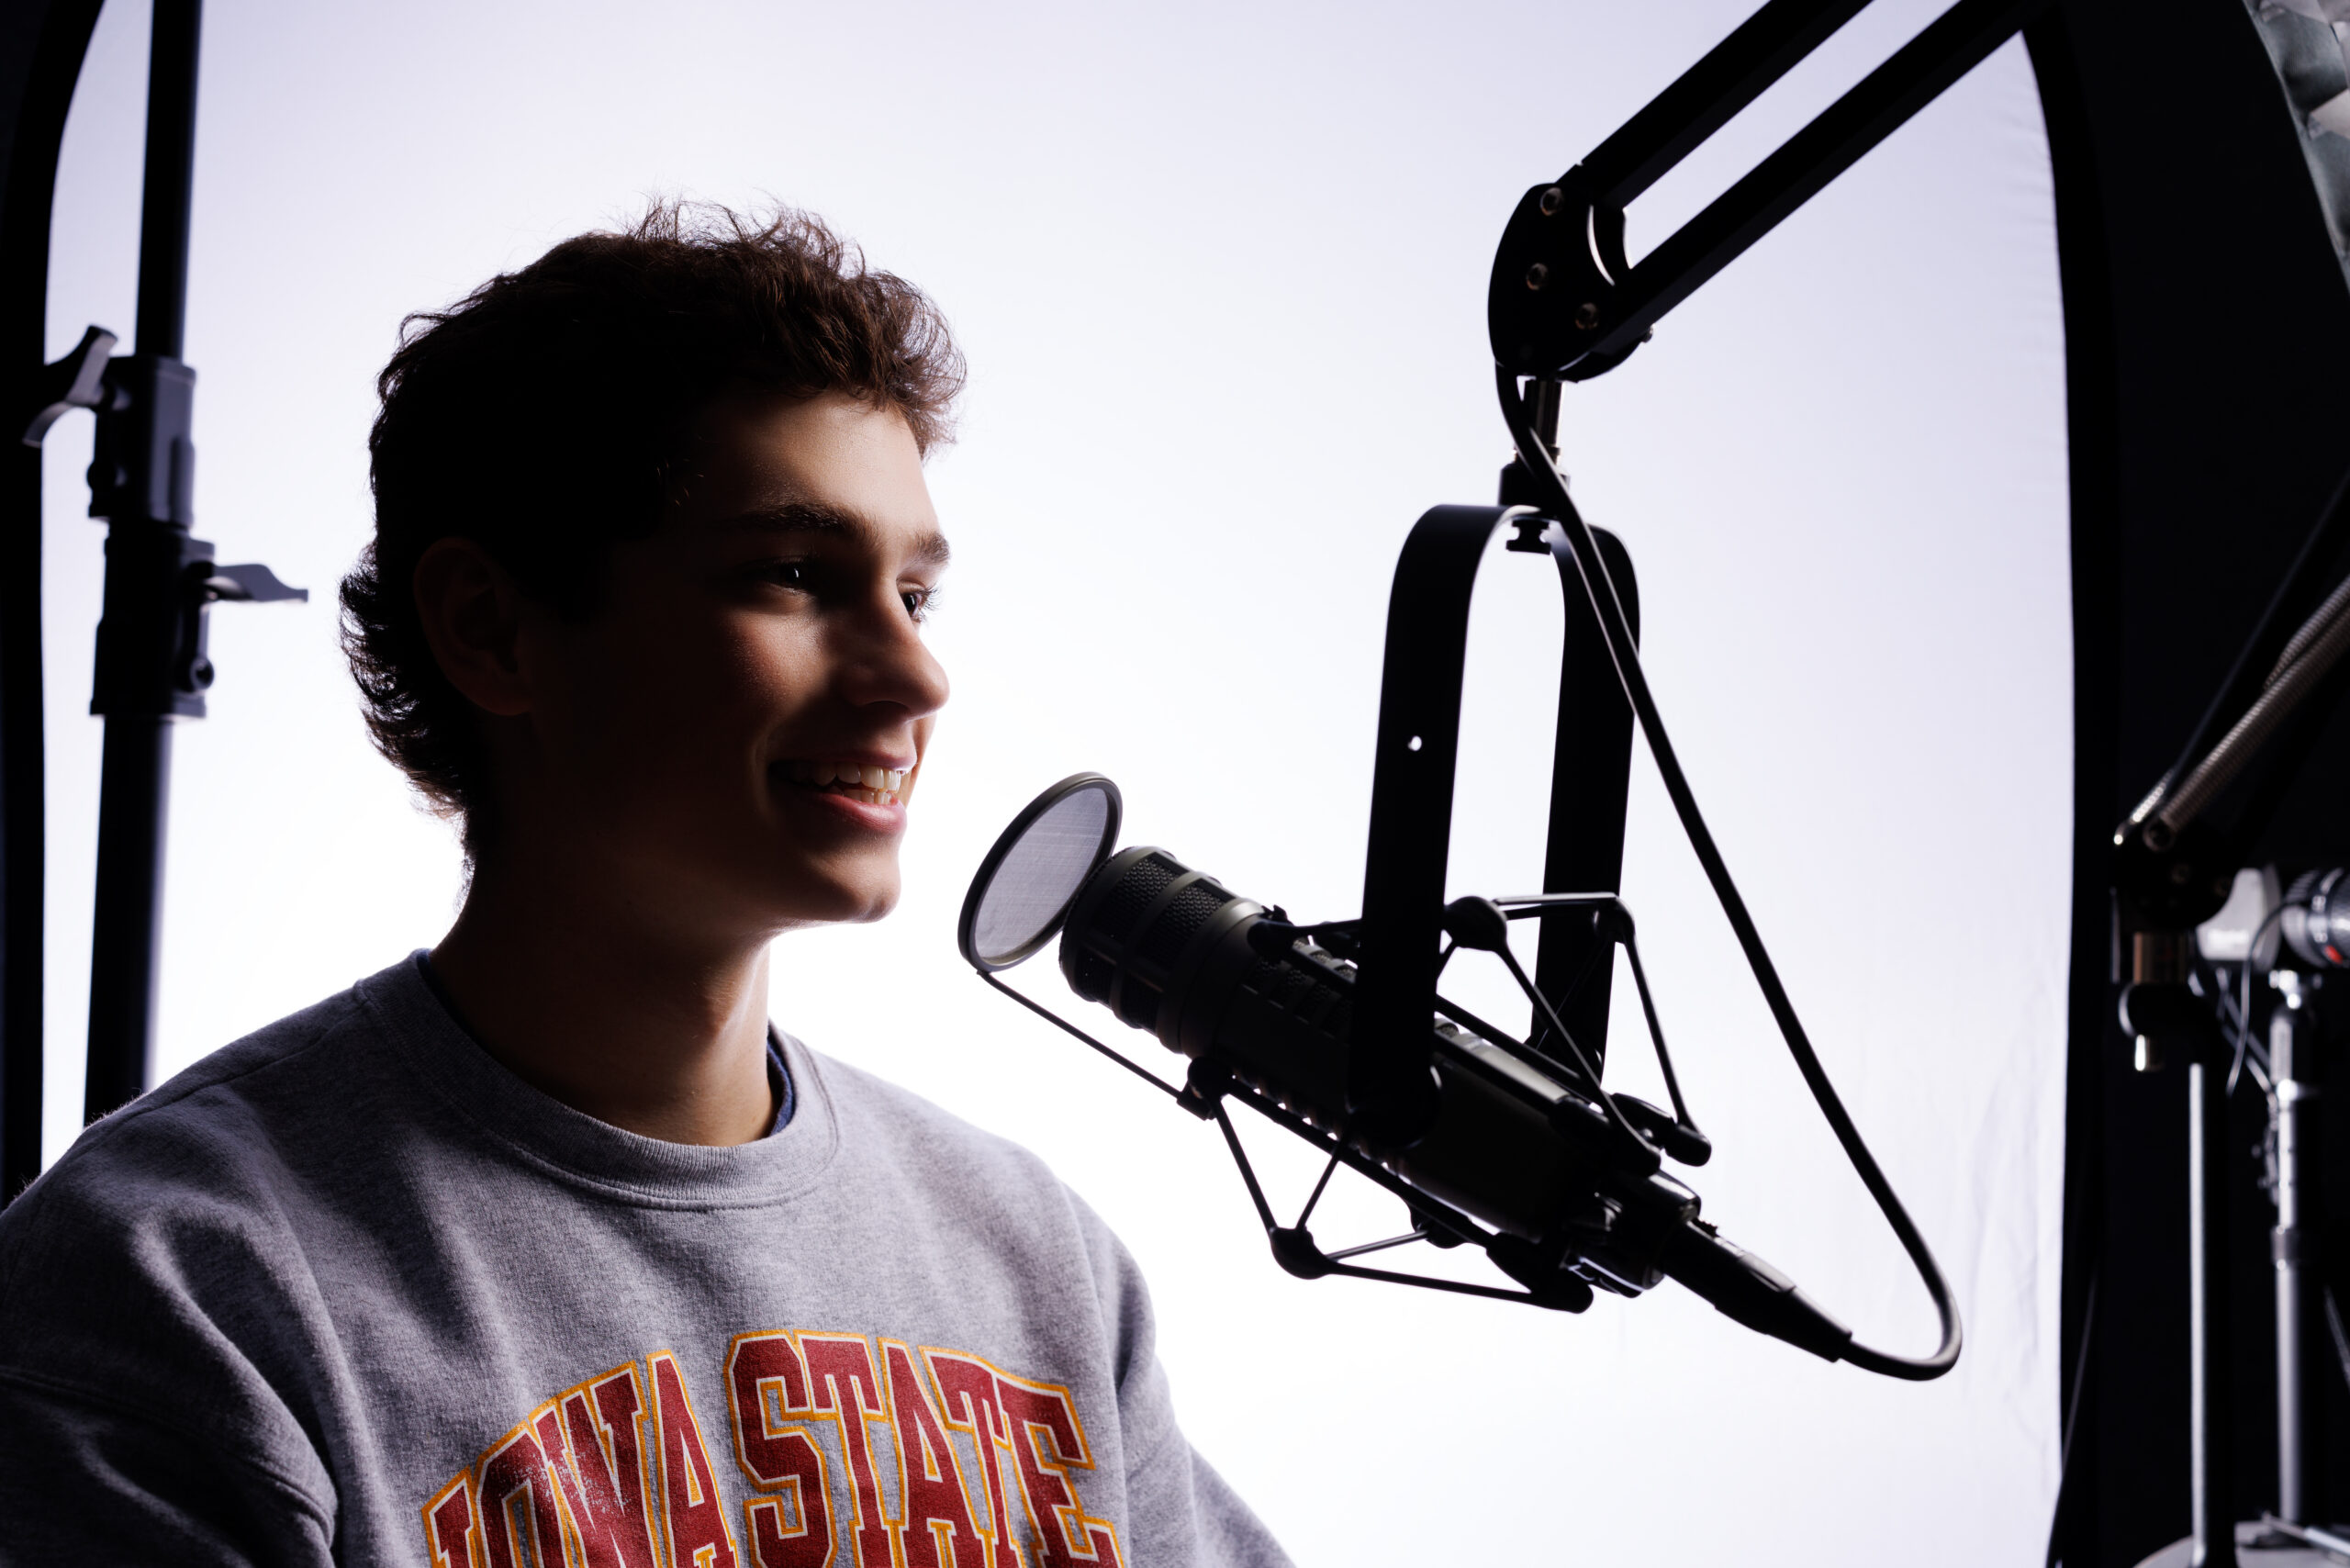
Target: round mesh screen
<point x="1035" y="870"/>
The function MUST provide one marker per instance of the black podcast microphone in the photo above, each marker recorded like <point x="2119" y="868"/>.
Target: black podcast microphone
<point x="1567" y="1176"/>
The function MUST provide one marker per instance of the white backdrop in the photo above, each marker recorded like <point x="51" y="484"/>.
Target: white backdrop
<point x="1220" y="273"/>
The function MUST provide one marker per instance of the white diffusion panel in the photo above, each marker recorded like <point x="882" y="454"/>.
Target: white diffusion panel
<point x="1220" y="271"/>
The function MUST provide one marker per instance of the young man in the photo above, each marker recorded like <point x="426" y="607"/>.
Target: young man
<point x="545" y="1248"/>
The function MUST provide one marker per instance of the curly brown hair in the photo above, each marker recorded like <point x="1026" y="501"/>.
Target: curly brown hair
<point x="544" y="417"/>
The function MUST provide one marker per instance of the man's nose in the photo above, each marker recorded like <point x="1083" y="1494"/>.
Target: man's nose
<point x="890" y="665"/>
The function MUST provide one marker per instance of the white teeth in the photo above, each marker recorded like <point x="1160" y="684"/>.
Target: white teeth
<point x="874" y="786"/>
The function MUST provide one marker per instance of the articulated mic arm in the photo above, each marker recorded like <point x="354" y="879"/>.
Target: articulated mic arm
<point x="1565" y="304"/>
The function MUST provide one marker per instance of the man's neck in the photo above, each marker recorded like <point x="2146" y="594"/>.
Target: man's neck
<point x="652" y="1033"/>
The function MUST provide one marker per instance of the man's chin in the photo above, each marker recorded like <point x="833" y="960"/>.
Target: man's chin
<point x="857" y="901"/>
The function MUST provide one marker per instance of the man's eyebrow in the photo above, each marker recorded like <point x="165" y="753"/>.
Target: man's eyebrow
<point x="819" y="516"/>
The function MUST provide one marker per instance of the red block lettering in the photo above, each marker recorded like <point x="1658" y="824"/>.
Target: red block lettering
<point x="936" y="1512"/>
<point x="615" y="1472"/>
<point x="521" y="1517"/>
<point x="839" y="1372"/>
<point x="966" y="1385"/>
<point x="1038" y="1414"/>
<point x="596" y="1448"/>
<point x="781" y="1462"/>
<point x="449" y="1526"/>
<point x="693" y="1516"/>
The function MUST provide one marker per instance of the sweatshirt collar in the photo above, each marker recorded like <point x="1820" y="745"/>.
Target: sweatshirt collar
<point x="576" y="1148"/>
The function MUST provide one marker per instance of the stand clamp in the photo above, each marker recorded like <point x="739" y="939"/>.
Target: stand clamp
<point x="159" y="580"/>
<point x="152" y="666"/>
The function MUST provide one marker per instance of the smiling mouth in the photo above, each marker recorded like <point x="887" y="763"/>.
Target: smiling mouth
<point x="870" y="786"/>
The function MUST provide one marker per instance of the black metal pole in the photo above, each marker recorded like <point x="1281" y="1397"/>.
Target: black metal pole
<point x="1709" y="94"/>
<point x="148" y="548"/>
<point x="134" y="787"/>
<point x="2211" y="1394"/>
<point x="1884" y="101"/>
<point x="170" y="178"/>
<point x="42" y="50"/>
<point x="2290" y="1028"/>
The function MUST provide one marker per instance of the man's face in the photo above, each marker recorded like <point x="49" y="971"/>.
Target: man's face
<point x="731" y="737"/>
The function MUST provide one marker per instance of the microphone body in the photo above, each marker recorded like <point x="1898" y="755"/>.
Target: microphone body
<point x="1513" y="1145"/>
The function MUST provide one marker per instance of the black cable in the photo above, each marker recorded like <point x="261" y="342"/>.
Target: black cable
<point x="1623" y="651"/>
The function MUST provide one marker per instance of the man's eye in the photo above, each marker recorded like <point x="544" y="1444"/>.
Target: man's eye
<point x="920" y="602"/>
<point x="790" y="574"/>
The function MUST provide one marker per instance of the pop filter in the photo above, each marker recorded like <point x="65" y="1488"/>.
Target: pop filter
<point x="1026" y="885"/>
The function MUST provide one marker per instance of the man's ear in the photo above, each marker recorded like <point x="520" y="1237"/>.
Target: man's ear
<point x="472" y="613"/>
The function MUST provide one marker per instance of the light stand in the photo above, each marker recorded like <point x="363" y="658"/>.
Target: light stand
<point x="2173" y="870"/>
<point x="2283" y="1536"/>
<point x="152" y="668"/>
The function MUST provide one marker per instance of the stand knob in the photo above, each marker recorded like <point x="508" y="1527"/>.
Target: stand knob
<point x="77" y="381"/>
<point x="251" y="583"/>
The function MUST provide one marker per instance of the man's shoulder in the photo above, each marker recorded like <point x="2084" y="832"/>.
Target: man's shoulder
<point x="208" y="1132"/>
<point x="157" y="1253"/>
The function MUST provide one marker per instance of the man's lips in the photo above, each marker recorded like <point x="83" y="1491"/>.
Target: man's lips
<point x="867" y="783"/>
<point x="841" y="806"/>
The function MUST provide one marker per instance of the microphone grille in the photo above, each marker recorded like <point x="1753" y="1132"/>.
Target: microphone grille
<point x="1130" y="928"/>
<point x="1185" y="914"/>
<point x="1144" y="881"/>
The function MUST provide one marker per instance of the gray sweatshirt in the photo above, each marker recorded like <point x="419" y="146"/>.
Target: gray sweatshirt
<point x="350" y="1291"/>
